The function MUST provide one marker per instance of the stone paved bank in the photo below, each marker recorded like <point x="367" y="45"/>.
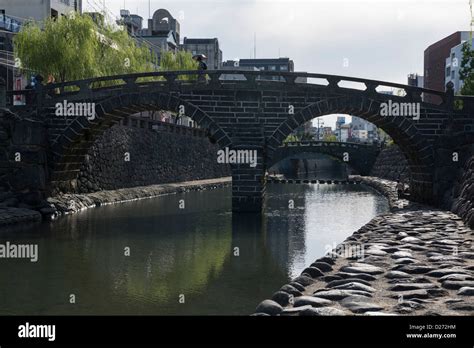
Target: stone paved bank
<point x="415" y="260"/>
<point x="72" y="203"/>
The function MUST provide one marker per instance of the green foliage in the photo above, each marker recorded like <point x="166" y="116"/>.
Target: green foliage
<point x="74" y="48"/>
<point x="291" y="138"/>
<point x="466" y="71"/>
<point x="182" y="60"/>
<point x="307" y="136"/>
<point x="330" y="137"/>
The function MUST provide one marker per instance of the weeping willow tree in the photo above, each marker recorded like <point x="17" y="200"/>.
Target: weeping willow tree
<point x="75" y="47"/>
<point x="181" y="60"/>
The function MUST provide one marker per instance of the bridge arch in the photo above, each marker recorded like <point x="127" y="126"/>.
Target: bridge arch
<point x="74" y="142"/>
<point x="402" y="130"/>
<point x="363" y="156"/>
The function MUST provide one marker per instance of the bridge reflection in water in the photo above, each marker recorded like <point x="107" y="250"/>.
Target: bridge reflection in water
<point x="172" y="252"/>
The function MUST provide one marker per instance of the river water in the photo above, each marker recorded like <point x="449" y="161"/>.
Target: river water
<point x="191" y="261"/>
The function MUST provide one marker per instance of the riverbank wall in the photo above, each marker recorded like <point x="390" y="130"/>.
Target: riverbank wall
<point x="126" y="156"/>
<point x="414" y="260"/>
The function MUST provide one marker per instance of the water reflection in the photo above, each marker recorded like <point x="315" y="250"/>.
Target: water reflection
<point x="222" y="263"/>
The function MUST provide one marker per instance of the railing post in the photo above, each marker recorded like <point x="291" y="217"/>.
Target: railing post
<point x="3" y="93"/>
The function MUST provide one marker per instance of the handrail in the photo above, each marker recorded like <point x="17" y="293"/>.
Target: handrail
<point x="290" y="77"/>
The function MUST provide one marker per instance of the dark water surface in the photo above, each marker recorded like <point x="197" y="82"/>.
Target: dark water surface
<point x="222" y="264"/>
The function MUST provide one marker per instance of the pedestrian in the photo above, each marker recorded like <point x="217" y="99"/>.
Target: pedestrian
<point x="202" y="66"/>
<point x="400" y="189"/>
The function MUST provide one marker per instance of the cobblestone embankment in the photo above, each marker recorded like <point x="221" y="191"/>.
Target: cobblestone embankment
<point x="72" y="203"/>
<point x="415" y="260"/>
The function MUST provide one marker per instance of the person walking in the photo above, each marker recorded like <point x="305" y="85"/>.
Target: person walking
<point x="202" y="66"/>
<point x="400" y="189"/>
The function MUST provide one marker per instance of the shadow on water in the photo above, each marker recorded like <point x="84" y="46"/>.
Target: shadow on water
<point x="221" y="262"/>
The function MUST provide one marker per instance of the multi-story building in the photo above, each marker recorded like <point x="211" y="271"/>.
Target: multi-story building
<point x="39" y="10"/>
<point x="9" y="26"/>
<point x="162" y="34"/>
<point x="269" y="64"/>
<point x="132" y="22"/>
<point x="363" y="130"/>
<point x="13" y="13"/>
<point x="435" y="57"/>
<point x="209" y="47"/>
<point x="453" y="65"/>
<point x="415" y="80"/>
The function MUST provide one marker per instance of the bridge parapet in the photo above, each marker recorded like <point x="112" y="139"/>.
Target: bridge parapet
<point x="234" y="79"/>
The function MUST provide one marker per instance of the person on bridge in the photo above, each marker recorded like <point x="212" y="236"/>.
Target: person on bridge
<point x="400" y="189"/>
<point x="202" y="66"/>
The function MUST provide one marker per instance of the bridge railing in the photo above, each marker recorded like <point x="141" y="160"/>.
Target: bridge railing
<point x="175" y="79"/>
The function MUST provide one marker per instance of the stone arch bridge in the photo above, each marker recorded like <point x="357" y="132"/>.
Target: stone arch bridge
<point x="251" y="110"/>
<point x="361" y="156"/>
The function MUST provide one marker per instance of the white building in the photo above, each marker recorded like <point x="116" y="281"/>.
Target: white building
<point x="453" y="65"/>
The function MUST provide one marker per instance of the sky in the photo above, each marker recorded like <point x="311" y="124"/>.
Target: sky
<point x="377" y="39"/>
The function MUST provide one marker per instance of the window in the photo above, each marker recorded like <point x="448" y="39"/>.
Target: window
<point x="272" y="68"/>
<point x="452" y="74"/>
<point x="448" y="71"/>
<point x="283" y="68"/>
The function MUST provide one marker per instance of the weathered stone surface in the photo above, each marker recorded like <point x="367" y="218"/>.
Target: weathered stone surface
<point x="312" y="301"/>
<point x="362" y="268"/>
<point x="345" y="281"/>
<point x="323" y="266"/>
<point x="466" y="291"/>
<point x="282" y="298"/>
<point x="412" y="294"/>
<point x="457" y="284"/>
<point x="357" y="306"/>
<point x="323" y="311"/>
<point x="411" y="286"/>
<point x="269" y="307"/>
<point x="438" y="273"/>
<point x="397" y="275"/>
<point x="313" y="272"/>
<point x="336" y="295"/>
<point x="303" y="280"/>
<point x="355" y="286"/>
<point x="290" y="289"/>
<point x="415" y="269"/>
<point x="294" y="310"/>
<point x="363" y="276"/>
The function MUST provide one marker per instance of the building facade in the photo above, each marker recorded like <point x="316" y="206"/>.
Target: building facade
<point x="208" y="47"/>
<point x="415" y="80"/>
<point x="132" y="22"/>
<point x="453" y="65"/>
<point x="435" y="57"/>
<point x="162" y="34"/>
<point x="39" y="10"/>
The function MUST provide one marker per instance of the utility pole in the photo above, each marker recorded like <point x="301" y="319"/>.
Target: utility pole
<point x="319" y="123"/>
<point x="472" y="21"/>
<point x="255" y="45"/>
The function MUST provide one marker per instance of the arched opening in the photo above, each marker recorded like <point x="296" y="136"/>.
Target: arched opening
<point x="402" y="130"/>
<point x="76" y="140"/>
